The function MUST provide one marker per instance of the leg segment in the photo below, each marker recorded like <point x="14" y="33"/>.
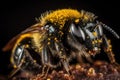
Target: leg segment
<point x="56" y="48"/>
<point x="17" y="60"/>
<point x="46" y="58"/>
<point x="108" y="49"/>
<point x="62" y="55"/>
<point x="22" y="60"/>
<point x="56" y="45"/>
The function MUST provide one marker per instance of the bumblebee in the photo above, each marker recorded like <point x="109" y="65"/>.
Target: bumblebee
<point x="57" y="38"/>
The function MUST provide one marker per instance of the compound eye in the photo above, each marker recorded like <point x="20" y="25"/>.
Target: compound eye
<point x="90" y="26"/>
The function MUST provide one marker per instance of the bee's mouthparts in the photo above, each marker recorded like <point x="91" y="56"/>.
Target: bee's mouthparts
<point x="94" y="51"/>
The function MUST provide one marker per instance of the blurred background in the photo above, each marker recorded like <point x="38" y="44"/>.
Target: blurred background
<point x="15" y="16"/>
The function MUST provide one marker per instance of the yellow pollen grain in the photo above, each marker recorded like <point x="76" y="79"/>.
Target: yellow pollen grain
<point x="99" y="49"/>
<point x="78" y="67"/>
<point x="89" y="52"/>
<point x="109" y="41"/>
<point x="26" y="46"/>
<point x="49" y="39"/>
<point x="60" y="52"/>
<point x="48" y="43"/>
<point x="36" y="50"/>
<point x="22" y="60"/>
<point x="14" y="66"/>
<point x="110" y="49"/>
<point x="91" y="72"/>
<point x="110" y="46"/>
<point x="93" y="42"/>
<point x="40" y="48"/>
<point x="77" y="21"/>
<point x="55" y="38"/>
<point x="95" y="34"/>
<point x="48" y="79"/>
<point x="85" y="17"/>
<point x="99" y="41"/>
<point x="34" y="61"/>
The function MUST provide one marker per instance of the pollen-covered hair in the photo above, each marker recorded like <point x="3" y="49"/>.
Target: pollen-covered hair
<point x="59" y="17"/>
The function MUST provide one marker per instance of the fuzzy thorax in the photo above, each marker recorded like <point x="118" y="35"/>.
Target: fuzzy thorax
<point x="59" y="17"/>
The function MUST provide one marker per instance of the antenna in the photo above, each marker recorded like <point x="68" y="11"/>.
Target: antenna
<point x="111" y="30"/>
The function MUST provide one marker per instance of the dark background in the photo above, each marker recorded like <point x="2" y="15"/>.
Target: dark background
<point x="18" y="15"/>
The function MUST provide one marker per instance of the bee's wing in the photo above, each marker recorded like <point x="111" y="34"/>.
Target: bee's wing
<point x="30" y="30"/>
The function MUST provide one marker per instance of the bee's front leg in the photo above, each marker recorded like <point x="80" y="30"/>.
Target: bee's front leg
<point x="56" y="46"/>
<point x="108" y="49"/>
<point x="47" y="60"/>
<point x="62" y="55"/>
<point x="57" y="49"/>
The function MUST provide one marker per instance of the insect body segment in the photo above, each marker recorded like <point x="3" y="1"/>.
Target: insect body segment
<point x="57" y="39"/>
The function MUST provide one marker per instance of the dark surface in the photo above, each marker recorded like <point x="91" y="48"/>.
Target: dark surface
<point x="16" y="16"/>
<point x="100" y="70"/>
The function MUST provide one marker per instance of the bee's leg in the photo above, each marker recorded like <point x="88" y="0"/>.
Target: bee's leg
<point x="56" y="47"/>
<point x="17" y="59"/>
<point x="13" y="72"/>
<point x="66" y="65"/>
<point x="62" y="55"/>
<point x="108" y="49"/>
<point x="54" y="40"/>
<point x="46" y="73"/>
<point x="21" y="59"/>
<point x="43" y="71"/>
<point x="46" y="61"/>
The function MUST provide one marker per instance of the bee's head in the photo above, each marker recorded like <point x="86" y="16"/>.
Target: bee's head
<point x="93" y="33"/>
<point x="89" y="34"/>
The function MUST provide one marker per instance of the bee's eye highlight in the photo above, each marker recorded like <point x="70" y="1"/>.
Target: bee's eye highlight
<point x="50" y="28"/>
<point x="90" y="26"/>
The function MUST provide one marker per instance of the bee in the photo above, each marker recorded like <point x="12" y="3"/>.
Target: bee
<point x="57" y="38"/>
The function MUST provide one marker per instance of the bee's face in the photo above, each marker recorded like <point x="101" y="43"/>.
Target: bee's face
<point x="89" y="34"/>
<point x="93" y="33"/>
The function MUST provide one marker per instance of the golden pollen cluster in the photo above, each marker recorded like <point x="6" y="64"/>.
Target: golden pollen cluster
<point x="59" y="17"/>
